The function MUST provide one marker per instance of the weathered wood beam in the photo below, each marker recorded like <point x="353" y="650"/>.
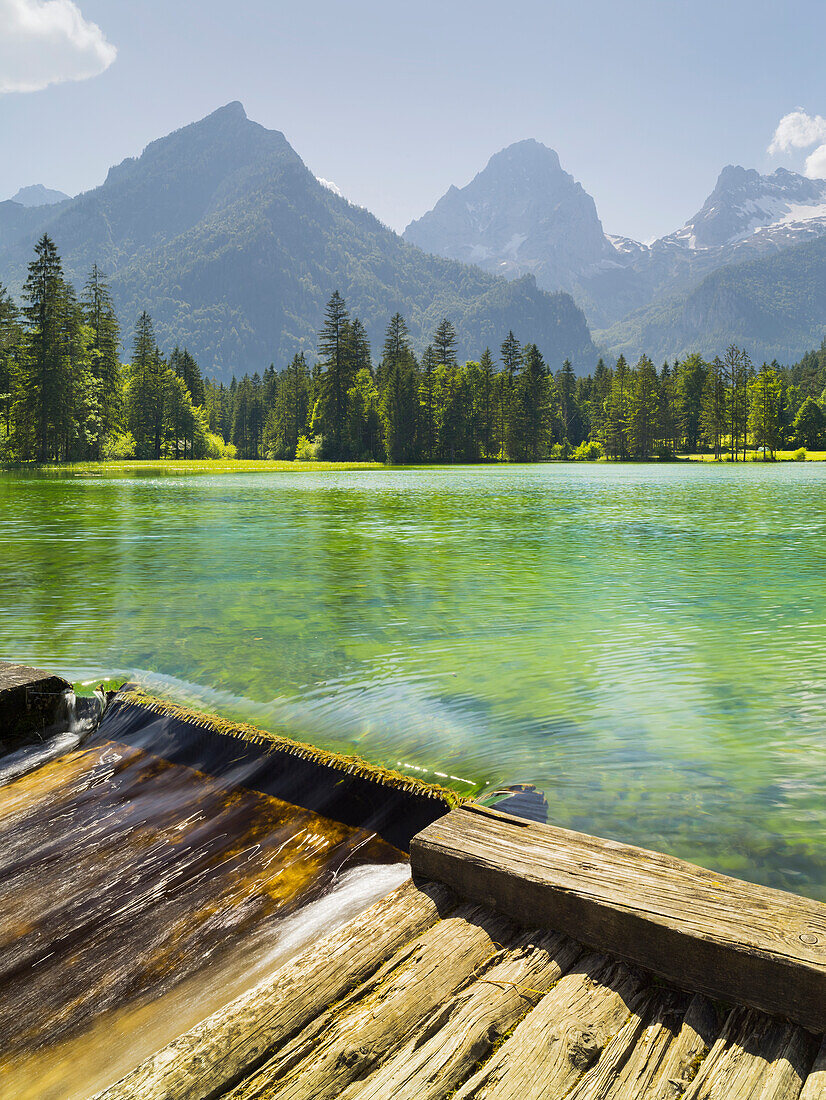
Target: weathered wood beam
<point x="755" y="1057"/>
<point x="656" y="1053"/>
<point x="459" y="1035"/>
<point x="211" y="1058"/>
<point x="703" y="931"/>
<point x="347" y="1042"/>
<point x="815" y="1087"/>
<point x="562" y="1037"/>
<point x="30" y="701"/>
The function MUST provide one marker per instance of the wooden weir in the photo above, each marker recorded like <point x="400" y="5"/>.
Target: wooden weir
<point x="525" y="962"/>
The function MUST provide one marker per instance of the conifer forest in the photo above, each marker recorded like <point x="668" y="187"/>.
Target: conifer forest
<point x="67" y="395"/>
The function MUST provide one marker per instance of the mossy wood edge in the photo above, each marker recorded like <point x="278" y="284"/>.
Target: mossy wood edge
<point x="706" y="932"/>
<point x="350" y="765"/>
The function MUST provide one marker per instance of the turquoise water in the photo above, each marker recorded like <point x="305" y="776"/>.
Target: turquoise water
<point x="646" y="643"/>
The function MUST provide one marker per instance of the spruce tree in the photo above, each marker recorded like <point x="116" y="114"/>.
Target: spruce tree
<point x="287" y="420"/>
<point x="565" y="388"/>
<point x="41" y="403"/>
<point x="444" y="344"/>
<point x="713" y="414"/>
<point x="99" y="315"/>
<point x="10" y="348"/>
<point x="427" y="405"/>
<point x="511" y="355"/>
<point x="484" y="402"/>
<point x="615" y="423"/>
<point x="532" y="411"/>
<point x="643" y="416"/>
<point x="336" y="379"/>
<point x="766" y="410"/>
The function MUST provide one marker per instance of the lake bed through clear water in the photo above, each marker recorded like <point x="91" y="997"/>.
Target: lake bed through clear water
<point x="645" y="643"/>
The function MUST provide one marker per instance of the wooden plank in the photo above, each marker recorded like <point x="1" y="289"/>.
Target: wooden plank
<point x="215" y="1055"/>
<point x="756" y="1057"/>
<point x="461" y="1034"/>
<point x="702" y="931"/>
<point x="656" y="1053"/>
<point x="346" y="1043"/>
<point x="685" y="1055"/>
<point x="815" y="1087"/>
<point x="562" y="1038"/>
<point x="30" y="701"/>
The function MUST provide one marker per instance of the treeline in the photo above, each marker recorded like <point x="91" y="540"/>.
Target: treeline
<point x="66" y="396"/>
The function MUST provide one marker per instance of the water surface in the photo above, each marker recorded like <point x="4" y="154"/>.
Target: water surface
<point x="646" y="643"/>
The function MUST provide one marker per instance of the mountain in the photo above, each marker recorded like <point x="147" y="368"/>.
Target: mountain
<point x="38" y="195"/>
<point x="748" y="208"/>
<point x="522" y="214"/>
<point x="774" y="306"/>
<point x="222" y="233"/>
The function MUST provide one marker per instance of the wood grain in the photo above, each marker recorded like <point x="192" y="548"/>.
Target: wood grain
<point x="702" y="931"/>
<point x="559" y="1041"/>
<point x="462" y="1033"/>
<point x="214" y="1056"/>
<point x="755" y="1058"/>
<point x="815" y="1087"/>
<point x="347" y="1042"/>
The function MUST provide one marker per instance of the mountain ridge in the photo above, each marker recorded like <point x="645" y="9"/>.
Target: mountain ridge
<point x="225" y="236"/>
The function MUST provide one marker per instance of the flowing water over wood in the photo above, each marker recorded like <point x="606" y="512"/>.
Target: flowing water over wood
<point x="137" y="895"/>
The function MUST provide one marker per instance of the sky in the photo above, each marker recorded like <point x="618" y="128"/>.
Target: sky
<point x="644" y="101"/>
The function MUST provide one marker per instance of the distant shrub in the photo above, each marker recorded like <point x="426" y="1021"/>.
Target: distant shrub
<point x="117" y="446"/>
<point x="307" y="450"/>
<point x="215" y="447"/>
<point x="800" y="454"/>
<point x="588" y="452"/>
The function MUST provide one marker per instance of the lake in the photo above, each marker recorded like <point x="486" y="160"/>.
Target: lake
<point x="645" y="643"/>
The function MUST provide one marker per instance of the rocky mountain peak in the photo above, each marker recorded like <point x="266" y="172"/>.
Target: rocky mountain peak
<point x="522" y="214"/>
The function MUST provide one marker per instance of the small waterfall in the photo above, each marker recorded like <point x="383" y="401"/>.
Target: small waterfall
<point x="75" y="721"/>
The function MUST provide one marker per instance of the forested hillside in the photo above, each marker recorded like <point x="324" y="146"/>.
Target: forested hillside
<point x="776" y="305"/>
<point x="222" y="233"/>
<point x="66" y="395"/>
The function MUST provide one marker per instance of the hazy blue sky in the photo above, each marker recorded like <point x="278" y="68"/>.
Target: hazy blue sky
<point x="644" y="101"/>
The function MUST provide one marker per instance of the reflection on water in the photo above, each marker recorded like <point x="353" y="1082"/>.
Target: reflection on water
<point x="136" y="896"/>
<point x="647" y="644"/>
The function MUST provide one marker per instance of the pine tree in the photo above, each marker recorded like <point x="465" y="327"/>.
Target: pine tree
<point x="530" y="429"/>
<point x="337" y="377"/>
<point x="41" y="404"/>
<point x="444" y="344"/>
<point x="713" y="415"/>
<point x="511" y="354"/>
<point x="11" y="337"/>
<point x="565" y="388"/>
<point x="99" y="315"/>
<point x="615" y="424"/>
<point x="484" y="403"/>
<point x="287" y="421"/>
<point x="427" y="405"/>
<point x="766" y="410"/>
<point x="643" y="410"/>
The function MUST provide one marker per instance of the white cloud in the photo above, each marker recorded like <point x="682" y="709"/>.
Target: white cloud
<point x="816" y="164"/>
<point x="46" y="42"/>
<point x="798" y="130"/>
